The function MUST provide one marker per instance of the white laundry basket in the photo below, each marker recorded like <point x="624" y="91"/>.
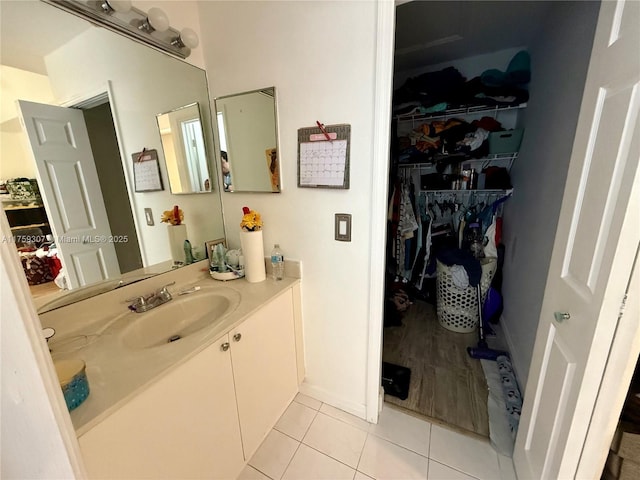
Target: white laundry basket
<point x="458" y="308"/>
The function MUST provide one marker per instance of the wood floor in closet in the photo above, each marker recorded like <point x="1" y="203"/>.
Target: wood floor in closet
<point x="447" y="385"/>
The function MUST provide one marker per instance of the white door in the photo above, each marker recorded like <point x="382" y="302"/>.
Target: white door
<point x="594" y="248"/>
<point x="70" y="190"/>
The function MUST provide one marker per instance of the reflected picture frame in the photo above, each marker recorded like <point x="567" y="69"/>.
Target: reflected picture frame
<point x="211" y="244"/>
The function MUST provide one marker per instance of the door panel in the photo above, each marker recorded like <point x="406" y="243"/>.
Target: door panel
<point x="68" y="187"/>
<point x="592" y="255"/>
<point x="90" y="265"/>
<point x="600" y="182"/>
<point x="264" y="369"/>
<point x="71" y="192"/>
<point x="558" y="371"/>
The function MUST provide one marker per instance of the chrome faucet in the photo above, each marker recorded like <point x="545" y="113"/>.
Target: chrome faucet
<point x="144" y="303"/>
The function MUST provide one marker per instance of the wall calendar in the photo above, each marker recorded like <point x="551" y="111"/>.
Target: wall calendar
<point x="323" y="156"/>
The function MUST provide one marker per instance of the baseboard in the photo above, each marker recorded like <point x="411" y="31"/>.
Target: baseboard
<point x="359" y="410"/>
<point x="511" y="348"/>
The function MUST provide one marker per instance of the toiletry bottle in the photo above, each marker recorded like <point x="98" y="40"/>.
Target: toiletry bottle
<point x="277" y="263"/>
<point x="188" y="253"/>
<point x="473" y="180"/>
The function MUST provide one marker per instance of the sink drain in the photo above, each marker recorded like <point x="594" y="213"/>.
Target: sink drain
<point x="173" y="338"/>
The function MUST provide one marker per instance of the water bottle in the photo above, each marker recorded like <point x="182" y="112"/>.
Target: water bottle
<point x="277" y="263"/>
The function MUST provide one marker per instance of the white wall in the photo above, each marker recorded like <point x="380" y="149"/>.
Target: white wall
<point x="250" y="45"/>
<point x="141" y="90"/>
<point x="16" y="84"/>
<point x="36" y="430"/>
<point x="559" y="60"/>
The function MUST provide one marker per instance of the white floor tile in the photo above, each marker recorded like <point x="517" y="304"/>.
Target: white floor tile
<point x="384" y="460"/>
<point x="345" y="417"/>
<point x="295" y="420"/>
<point x="437" y="471"/>
<point x="250" y="473"/>
<point x="308" y="401"/>
<point x="361" y="476"/>
<point x="469" y="455"/>
<point x="275" y="453"/>
<point x="335" y="438"/>
<point x="507" y="472"/>
<point x="309" y="464"/>
<point x="404" y="430"/>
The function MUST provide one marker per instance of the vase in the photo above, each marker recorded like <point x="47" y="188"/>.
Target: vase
<point x="253" y="252"/>
<point x="177" y="236"/>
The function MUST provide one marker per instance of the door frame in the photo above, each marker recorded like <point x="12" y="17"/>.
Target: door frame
<point x="383" y="87"/>
<point x="94" y="98"/>
<point x="626" y="343"/>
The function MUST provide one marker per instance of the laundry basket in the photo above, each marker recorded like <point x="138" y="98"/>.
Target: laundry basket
<point x="457" y="308"/>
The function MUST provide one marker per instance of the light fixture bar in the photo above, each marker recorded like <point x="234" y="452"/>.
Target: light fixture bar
<point x="126" y="23"/>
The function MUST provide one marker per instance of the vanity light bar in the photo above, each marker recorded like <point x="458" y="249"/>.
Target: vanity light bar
<point x="132" y="22"/>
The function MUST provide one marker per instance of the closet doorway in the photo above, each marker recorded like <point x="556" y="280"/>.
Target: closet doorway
<point x="446" y="385"/>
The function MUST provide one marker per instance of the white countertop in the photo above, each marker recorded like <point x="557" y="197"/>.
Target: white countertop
<point x="116" y="372"/>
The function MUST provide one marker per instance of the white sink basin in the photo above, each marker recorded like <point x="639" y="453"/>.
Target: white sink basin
<point x="179" y="318"/>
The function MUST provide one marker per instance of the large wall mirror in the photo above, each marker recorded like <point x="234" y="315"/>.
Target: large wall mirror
<point x="184" y="150"/>
<point x="248" y="133"/>
<point x="52" y="59"/>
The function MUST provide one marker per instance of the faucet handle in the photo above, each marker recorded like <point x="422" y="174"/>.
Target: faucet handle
<point x="140" y="299"/>
<point x="164" y="287"/>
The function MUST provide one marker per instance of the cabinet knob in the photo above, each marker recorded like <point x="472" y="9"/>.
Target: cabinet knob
<point x="560" y="316"/>
<point x="237" y="337"/>
<point x="224" y="347"/>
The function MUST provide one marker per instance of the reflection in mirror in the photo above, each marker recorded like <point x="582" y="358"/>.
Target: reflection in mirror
<point x="247" y="128"/>
<point x="58" y="66"/>
<point x="184" y="150"/>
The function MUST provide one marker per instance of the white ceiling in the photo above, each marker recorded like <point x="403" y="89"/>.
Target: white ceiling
<point x="434" y="32"/>
<point x="427" y="32"/>
<point x="31" y="29"/>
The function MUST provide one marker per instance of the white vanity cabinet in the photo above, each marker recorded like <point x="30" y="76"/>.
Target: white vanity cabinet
<point x="185" y="425"/>
<point x="204" y="418"/>
<point x="263" y="353"/>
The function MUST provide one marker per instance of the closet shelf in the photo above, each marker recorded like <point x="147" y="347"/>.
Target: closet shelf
<point x="412" y="117"/>
<point x="510" y="157"/>
<point x="505" y="191"/>
<point x="23" y="207"/>
<point x="33" y="225"/>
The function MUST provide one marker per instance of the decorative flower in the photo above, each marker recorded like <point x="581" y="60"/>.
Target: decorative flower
<point x="174" y="217"/>
<point x="251" y="221"/>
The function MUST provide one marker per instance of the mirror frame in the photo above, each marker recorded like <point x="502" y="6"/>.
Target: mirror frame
<point x="218" y="154"/>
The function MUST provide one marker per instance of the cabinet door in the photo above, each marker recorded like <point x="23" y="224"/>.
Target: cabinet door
<point x="264" y="369"/>
<point x="183" y="426"/>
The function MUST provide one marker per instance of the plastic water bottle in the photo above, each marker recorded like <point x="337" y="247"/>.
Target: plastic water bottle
<point x="277" y="263"/>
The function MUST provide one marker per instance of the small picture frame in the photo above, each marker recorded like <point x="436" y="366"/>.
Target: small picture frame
<point x="211" y="244"/>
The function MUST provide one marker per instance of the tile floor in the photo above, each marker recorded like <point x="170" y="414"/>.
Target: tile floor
<point x="313" y="440"/>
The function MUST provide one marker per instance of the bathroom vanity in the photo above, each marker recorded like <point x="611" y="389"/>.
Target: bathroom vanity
<point x="198" y="406"/>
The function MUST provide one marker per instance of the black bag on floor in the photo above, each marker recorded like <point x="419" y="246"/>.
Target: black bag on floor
<point x="395" y="380"/>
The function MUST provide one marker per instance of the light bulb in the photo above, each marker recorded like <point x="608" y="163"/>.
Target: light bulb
<point x="189" y="37"/>
<point x="119" y="5"/>
<point x="158" y="19"/>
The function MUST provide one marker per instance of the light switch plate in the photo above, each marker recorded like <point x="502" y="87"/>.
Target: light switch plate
<point x="149" y="216"/>
<point x="343" y="227"/>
